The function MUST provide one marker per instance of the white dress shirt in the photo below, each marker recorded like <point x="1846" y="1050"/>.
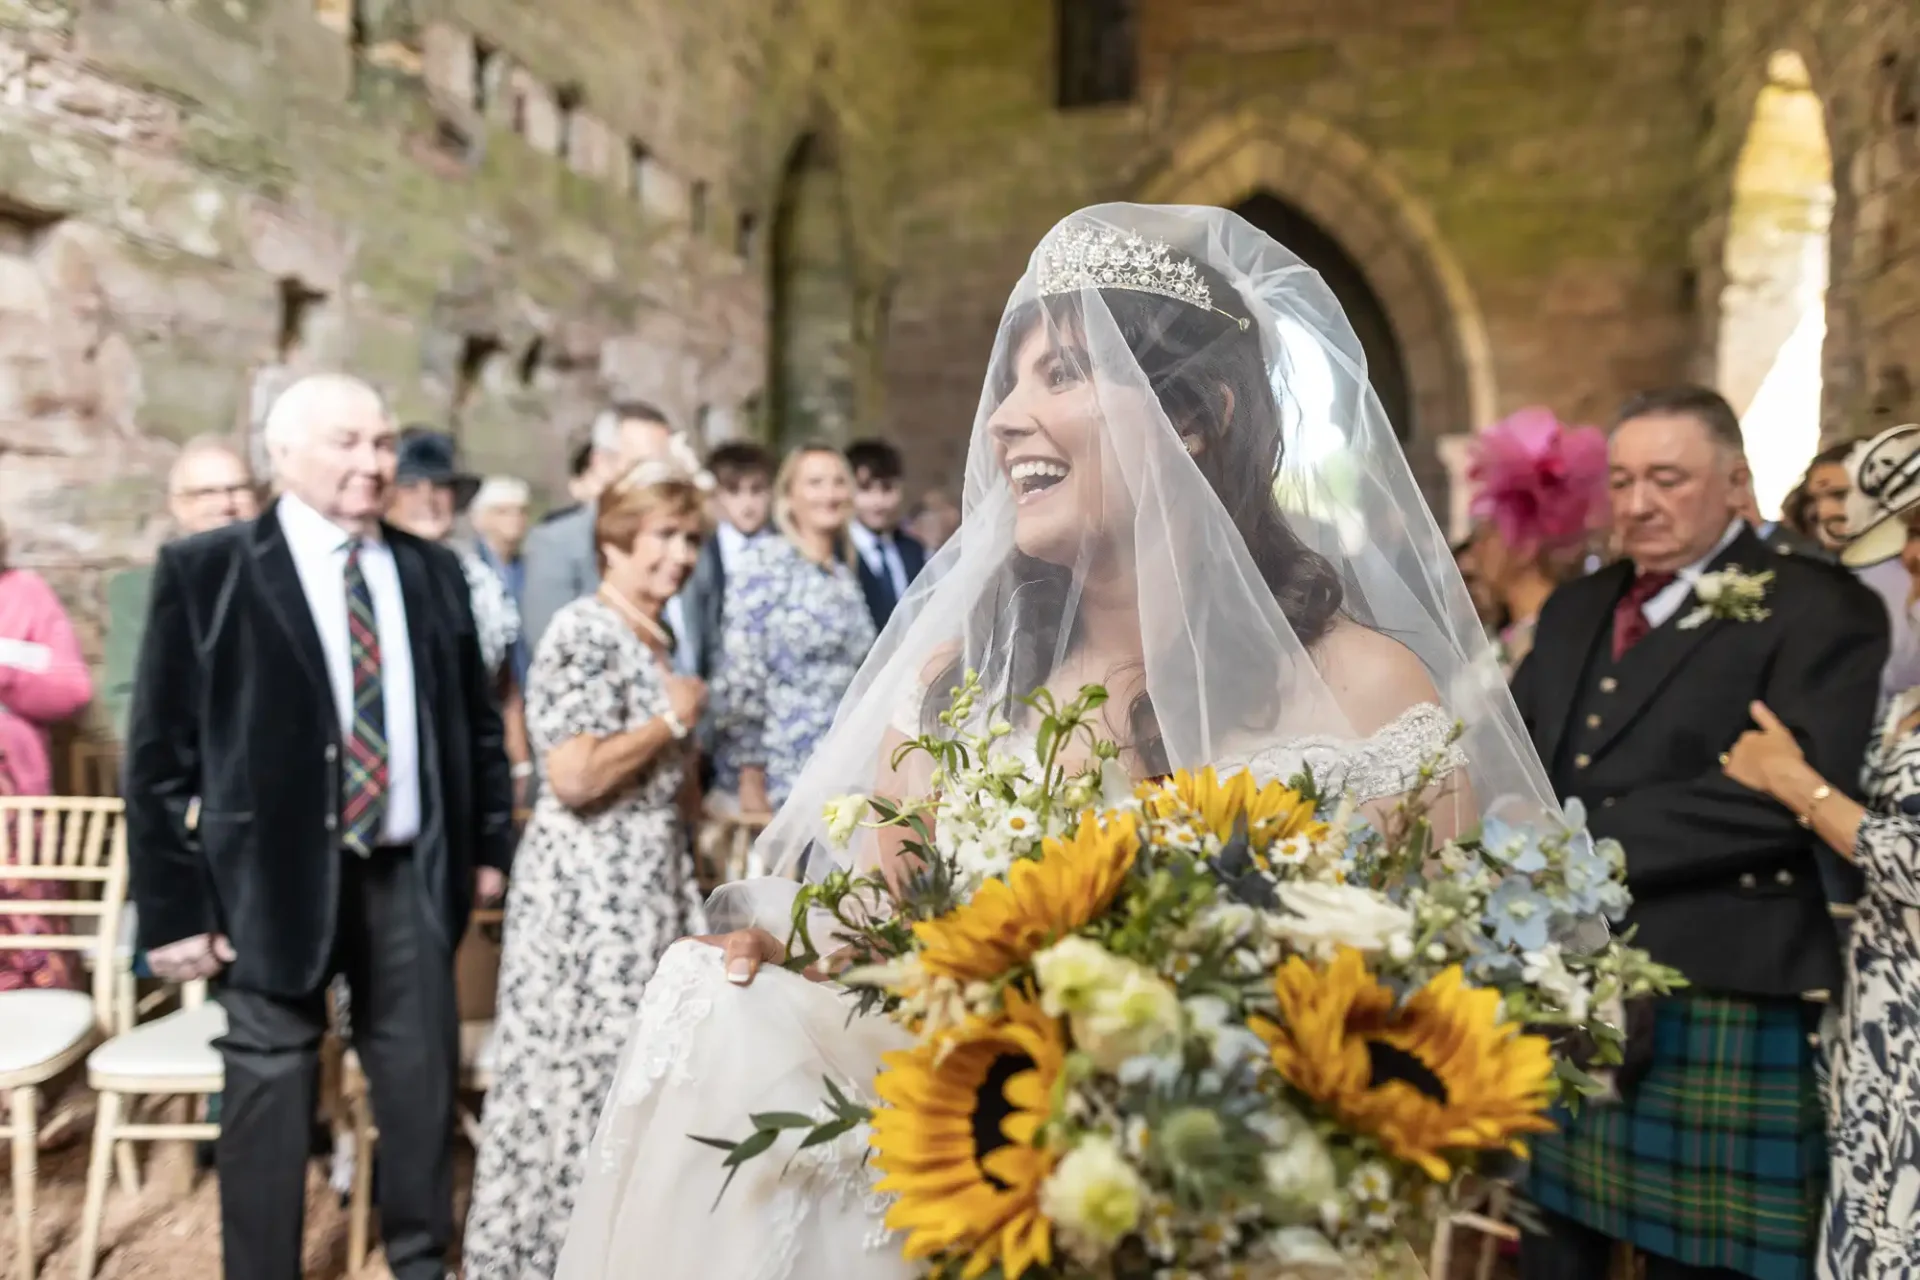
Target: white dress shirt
<point x="731" y="542"/>
<point x="1667" y="601"/>
<point x="319" y="550"/>
<point x="882" y="555"/>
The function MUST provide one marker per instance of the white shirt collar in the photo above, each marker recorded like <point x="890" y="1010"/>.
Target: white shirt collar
<point x="1667" y="601"/>
<point x="1699" y="566"/>
<point x="868" y="543"/>
<point x="310" y="530"/>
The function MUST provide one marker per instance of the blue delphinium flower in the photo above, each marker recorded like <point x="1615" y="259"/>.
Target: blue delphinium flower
<point x="1521" y="914"/>
<point x="1511" y="846"/>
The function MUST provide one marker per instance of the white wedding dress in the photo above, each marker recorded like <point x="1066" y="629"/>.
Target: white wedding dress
<point x="706" y="1053"/>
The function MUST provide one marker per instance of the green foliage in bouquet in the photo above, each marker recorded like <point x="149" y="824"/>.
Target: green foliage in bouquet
<point x="1204" y="1027"/>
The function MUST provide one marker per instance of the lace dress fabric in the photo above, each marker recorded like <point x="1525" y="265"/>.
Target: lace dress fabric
<point x="704" y="1054"/>
<point x="1872" y="1228"/>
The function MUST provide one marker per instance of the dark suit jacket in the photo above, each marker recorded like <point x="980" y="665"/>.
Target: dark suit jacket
<point x="1727" y="886"/>
<point x="878" y="588"/>
<point x="231" y="706"/>
<point x="1789" y="541"/>
<point x="703" y="601"/>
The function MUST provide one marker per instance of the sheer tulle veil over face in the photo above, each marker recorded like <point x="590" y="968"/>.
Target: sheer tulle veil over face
<point x="1180" y="486"/>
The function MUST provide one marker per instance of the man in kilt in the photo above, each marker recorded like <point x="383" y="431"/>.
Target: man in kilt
<point x="1712" y="1162"/>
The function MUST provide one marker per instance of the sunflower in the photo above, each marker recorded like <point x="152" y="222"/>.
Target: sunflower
<point x="1441" y="1073"/>
<point x="1273" y="812"/>
<point x="1040" y="901"/>
<point x="958" y="1134"/>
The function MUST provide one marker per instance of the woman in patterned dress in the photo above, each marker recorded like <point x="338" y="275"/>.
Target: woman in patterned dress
<point x="1872" y="1226"/>
<point x="603" y="882"/>
<point x="797" y="629"/>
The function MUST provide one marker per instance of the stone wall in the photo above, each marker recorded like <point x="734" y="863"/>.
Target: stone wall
<point x="1863" y="57"/>
<point x="499" y="212"/>
<point x="1515" y="178"/>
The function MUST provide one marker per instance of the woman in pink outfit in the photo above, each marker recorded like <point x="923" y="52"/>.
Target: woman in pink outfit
<point x="43" y="680"/>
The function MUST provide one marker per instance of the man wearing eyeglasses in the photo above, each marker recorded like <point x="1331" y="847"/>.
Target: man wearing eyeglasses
<point x="210" y="486"/>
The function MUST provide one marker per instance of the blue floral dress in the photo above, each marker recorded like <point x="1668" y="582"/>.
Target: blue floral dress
<point x="1873" y="1200"/>
<point x="795" y="634"/>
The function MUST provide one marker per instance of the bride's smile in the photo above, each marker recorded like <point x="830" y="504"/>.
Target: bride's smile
<point x="1033" y="478"/>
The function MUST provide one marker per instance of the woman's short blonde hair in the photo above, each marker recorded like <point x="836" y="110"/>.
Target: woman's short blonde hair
<point x="624" y="509"/>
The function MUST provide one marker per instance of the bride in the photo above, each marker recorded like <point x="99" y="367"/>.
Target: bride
<point x="1179" y="487"/>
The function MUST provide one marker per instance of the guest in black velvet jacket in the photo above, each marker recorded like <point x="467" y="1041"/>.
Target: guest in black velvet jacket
<point x="315" y="780"/>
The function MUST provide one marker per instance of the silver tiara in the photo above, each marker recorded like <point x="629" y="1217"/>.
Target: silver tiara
<point x="1087" y="257"/>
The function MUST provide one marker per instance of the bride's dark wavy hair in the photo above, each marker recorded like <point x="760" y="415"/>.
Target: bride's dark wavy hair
<point x="1210" y="375"/>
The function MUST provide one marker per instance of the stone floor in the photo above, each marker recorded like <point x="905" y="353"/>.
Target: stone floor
<point x="169" y="1231"/>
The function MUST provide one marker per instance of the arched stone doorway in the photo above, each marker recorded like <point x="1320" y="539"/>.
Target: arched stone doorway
<point x="1386" y="363"/>
<point x="813" y="336"/>
<point x="1344" y="211"/>
<point x="1773" y="304"/>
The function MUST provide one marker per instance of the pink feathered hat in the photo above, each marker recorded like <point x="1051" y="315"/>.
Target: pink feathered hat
<point x="1542" y="483"/>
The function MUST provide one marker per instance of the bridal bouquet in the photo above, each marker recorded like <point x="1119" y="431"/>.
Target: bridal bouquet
<point x="1208" y="1027"/>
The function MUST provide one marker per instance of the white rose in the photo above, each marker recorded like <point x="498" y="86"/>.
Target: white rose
<point x="1326" y="916"/>
<point x="1137" y="1016"/>
<point x="1709" y="587"/>
<point x="1071" y="971"/>
<point x="843" y="817"/>
<point x="1300" y="1175"/>
<point x="1094" y="1193"/>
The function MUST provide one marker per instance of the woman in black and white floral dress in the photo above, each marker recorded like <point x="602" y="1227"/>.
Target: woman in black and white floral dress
<point x="603" y="882"/>
<point x="1872" y="1228"/>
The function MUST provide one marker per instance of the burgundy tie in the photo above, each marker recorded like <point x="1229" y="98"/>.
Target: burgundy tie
<point x="1630" y="625"/>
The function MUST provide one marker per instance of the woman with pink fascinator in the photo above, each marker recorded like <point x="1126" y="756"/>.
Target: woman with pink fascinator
<point x="1539" y="497"/>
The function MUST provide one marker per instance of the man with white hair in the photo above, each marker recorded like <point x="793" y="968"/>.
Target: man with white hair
<point x="315" y="782"/>
<point x="561" y="560"/>
<point x="209" y="486"/>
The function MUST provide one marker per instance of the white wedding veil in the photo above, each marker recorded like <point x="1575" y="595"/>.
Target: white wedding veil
<point x="1180" y="485"/>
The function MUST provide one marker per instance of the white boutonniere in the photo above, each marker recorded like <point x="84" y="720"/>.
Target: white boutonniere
<point x="1731" y="595"/>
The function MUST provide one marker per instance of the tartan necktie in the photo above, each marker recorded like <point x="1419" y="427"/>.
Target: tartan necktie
<point x="365" y="794"/>
<point x="1630" y="625"/>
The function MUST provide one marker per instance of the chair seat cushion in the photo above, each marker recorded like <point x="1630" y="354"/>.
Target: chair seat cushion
<point x="178" y="1046"/>
<point x="476" y="1047"/>
<point x="38" y="1026"/>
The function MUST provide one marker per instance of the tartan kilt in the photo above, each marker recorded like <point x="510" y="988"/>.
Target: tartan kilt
<point x="1717" y="1157"/>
